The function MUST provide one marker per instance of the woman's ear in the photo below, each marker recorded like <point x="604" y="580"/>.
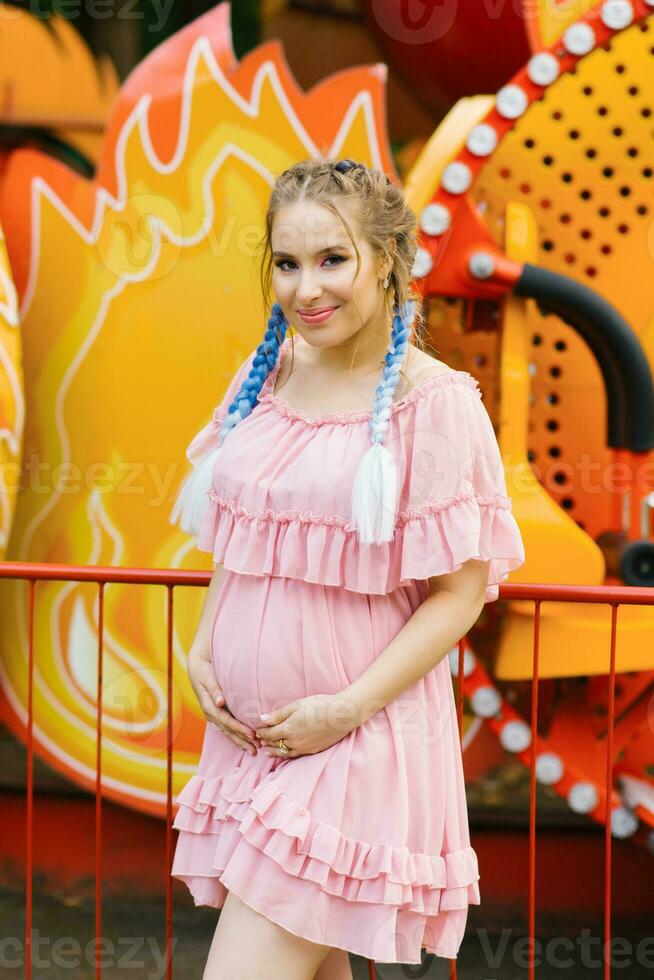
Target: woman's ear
<point x="385" y="264"/>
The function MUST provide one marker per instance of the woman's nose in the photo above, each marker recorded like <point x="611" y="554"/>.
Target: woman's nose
<point x="308" y="288"/>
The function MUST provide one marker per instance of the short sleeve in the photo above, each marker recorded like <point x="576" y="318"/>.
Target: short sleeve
<point x="498" y="538"/>
<point x="457" y="506"/>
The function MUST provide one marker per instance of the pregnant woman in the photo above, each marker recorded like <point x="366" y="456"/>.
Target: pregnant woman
<point x="355" y="545"/>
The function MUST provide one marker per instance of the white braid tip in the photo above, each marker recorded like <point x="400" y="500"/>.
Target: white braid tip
<point x="192" y="499"/>
<point x="374" y="496"/>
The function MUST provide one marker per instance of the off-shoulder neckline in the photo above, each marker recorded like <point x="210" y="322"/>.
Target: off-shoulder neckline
<point x="419" y="391"/>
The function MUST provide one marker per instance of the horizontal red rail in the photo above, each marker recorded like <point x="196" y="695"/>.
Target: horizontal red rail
<point x="621" y="594"/>
<point x="611" y="595"/>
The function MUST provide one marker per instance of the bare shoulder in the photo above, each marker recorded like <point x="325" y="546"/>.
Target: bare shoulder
<point x="423" y="366"/>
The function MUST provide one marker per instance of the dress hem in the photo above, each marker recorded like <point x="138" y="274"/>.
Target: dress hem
<point x="282" y="925"/>
<point x="390" y="895"/>
<point x="379" y="873"/>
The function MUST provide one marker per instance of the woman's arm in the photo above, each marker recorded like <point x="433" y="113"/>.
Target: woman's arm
<point x="453" y="606"/>
<point x="201" y="645"/>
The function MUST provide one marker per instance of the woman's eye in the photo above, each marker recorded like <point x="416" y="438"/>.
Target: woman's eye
<point x="282" y="262"/>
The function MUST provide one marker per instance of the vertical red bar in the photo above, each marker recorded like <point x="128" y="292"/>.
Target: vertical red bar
<point x="608" y="794"/>
<point x="532" y="792"/>
<point x="169" y="785"/>
<point x="29" y="821"/>
<point x="98" y="790"/>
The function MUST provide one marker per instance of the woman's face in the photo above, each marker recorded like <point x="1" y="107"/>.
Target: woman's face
<point x="314" y="268"/>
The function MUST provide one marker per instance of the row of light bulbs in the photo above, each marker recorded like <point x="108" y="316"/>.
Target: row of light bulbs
<point x="511" y="102"/>
<point x="515" y="736"/>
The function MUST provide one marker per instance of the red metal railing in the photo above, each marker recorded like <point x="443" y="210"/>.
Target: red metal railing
<point x="169" y="578"/>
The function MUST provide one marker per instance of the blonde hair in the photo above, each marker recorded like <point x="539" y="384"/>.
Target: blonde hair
<point x="389" y="226"/>
<point x="386" y="222"/>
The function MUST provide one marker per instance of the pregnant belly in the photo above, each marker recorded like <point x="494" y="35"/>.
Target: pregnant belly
<point x="275" y="639"/>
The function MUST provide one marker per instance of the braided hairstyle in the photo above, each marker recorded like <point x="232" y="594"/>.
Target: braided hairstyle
<point x="389" y="226"/>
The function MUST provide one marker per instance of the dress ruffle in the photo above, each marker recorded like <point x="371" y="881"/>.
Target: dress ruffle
<point x="325" y="549"/>
<point x="355" y="870"/>
<point x="453" y="506"/>
<point x="312" y="843"/>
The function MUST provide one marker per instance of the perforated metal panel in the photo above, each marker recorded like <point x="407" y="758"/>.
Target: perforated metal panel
<point x="582" y="159"/>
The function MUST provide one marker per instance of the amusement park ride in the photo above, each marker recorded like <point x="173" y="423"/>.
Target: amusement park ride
<point x="535" y="212"/>
<point x="557" y="162"/>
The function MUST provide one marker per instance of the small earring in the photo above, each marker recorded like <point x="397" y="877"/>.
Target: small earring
<point x="386" y="283"/>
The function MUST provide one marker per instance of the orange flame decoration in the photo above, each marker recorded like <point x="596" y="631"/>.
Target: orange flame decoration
<point x="12" y="402"/>
<point x="139" y="299"/>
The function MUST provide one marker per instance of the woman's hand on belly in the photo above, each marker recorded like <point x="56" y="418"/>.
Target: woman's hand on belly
<point x="308" y="725"/>
<point x="210" y="697"/>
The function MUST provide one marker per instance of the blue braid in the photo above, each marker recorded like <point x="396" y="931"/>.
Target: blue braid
<point x="400" y="333"/>
<point x="263" y="362"/>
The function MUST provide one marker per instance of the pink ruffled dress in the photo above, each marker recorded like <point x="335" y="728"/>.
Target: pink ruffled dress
<point x="364" y="846"/>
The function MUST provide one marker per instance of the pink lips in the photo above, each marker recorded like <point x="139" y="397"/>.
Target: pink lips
<point x="319" y="316"/>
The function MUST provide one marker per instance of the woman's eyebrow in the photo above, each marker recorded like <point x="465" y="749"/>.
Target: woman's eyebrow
<point x="321" y="251"/>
